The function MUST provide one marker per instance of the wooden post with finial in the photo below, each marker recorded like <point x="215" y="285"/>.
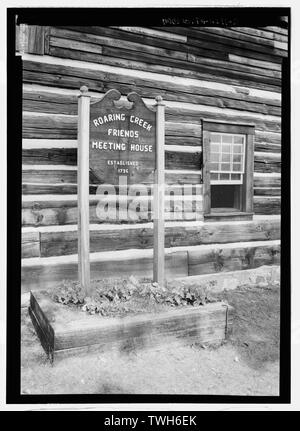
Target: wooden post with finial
<point x="83" y="190"/>
<point x="159" y="196"/>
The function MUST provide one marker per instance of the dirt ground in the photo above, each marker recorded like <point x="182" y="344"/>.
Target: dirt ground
<point x="246" y="364"/>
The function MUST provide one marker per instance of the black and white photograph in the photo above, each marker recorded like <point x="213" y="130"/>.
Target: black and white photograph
<point x="149" y="224"/>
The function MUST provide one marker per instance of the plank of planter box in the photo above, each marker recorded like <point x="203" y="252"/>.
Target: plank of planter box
<point x="42" y="326"/>
<point x="116" y="238"/>
<point x="44" y="273"/>
<point x="189" y="325"/>
<point x="228" y="258"/>
<point x="267" y="204"/>
<point x="77" y="330"/>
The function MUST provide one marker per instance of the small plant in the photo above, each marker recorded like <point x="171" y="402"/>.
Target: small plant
<point x="69" y="293"/>
<point x="119" y="296"/>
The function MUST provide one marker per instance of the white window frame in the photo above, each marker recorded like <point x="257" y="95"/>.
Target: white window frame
<point x="241" y="172"/>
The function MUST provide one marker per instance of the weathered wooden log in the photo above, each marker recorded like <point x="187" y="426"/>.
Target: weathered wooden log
<point x="44" y="273"/>
<point x="232" y="258"/>
<point x="62" y="242"/>
<point x="72" y="332"/>
<point x="66" y="176"/>
<point x="50" y="102"/>
<point x="267" y="205"/>
<point x="62" y="156"/>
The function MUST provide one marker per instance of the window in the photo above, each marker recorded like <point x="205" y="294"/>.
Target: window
<point x="227" y="170"/>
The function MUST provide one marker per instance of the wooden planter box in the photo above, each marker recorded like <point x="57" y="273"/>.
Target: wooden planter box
<point x="63" y="330"/>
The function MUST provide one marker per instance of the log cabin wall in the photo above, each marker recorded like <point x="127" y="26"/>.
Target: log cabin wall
<point x="221" y="74"/>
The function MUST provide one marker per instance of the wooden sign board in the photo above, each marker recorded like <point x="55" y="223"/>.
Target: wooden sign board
<point x="122" y="140"/>
<point x="113" y="141"/>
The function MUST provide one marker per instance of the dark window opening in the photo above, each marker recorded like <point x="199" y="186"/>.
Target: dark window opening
<point x="225" y="198"/>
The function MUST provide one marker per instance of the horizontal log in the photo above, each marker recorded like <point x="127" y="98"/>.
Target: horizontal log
<point x="275" y="30"/>
<point x="261" y="33"/>
<point x="50" y="102"/>
<point x="50" y="189"/>
<point x="267" y="147"/>
<point x="267" y="205"/>
<point x="30" y="246"/>
<point x="231" y="258"/>
<point x="206" y="69"/>
<point x="253" y="62"/>
<point x="54" y="74"/>
<point x="179" y="122"/>
<point x="267" y="162"/>
<point x="140" y="61"/>
<point x="267" y="180"/>
<point x="61" y="156"/>
<point x="220" y="43"/>
<point x="251" y="42"/>
<point x="64" y="212"/>
<point x="88" y="43"/>
<point x="153" y="33"/>
<point x="267" y="191"/>
<point x="43" y="273"/>
<point x="109" y="239"/>
<point x="65" y="176"/>
<point x="268" y="137"/>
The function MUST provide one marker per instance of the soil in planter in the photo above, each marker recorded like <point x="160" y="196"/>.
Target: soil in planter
<point x="117" y="297"/>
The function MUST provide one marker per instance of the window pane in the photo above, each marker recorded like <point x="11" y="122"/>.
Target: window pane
<point x="227" y="139"/>
<point x="214" y="166"/>
<point x="226" y="157"/>
<point x="215" y="148"/>
<point x="225" y="166"/>
<point x="237" y="167"/>
<point x="226" y="148"/>
<point x="224" y="176"/>
<point x="237" y="158"/>
<point x="238" y="139"/>
<point x="215" y="138"/>
<point x="237" y="148"/>
<point x="214" y="157"/>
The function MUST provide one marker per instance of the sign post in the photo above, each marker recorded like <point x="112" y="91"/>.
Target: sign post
<point x="159" y="196"/>
<point x="83" y="190"/>
<point x="123" y="147"/>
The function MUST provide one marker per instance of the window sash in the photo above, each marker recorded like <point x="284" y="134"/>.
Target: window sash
<point x="227" y="141"/>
